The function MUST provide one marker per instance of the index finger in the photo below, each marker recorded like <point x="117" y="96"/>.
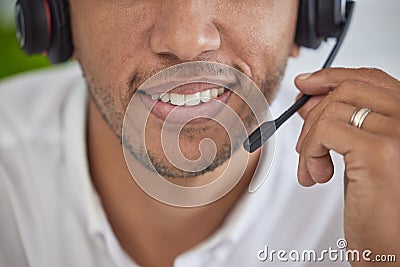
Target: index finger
<point x="326" y="80"/>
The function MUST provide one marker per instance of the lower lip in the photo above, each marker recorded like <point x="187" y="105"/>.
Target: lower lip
<point x="182" y="114"/>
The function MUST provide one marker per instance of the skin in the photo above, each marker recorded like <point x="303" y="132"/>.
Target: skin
<point x="135" y="39"/>
<point x="167" y="33"/>
<point x="371" y="155"/>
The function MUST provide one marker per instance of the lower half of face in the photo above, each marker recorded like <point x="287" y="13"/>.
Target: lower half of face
<point x="118" y="59"/>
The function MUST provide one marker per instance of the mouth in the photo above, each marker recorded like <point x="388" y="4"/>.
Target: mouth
<point x="188" y="100"/>
<point x="188" y="103"/>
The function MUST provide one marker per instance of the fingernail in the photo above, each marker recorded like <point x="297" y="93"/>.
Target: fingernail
<point x="304" y="76"/>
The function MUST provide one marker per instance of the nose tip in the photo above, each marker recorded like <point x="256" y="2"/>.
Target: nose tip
<point x="186" y="39"/>
<point x="188" y="46"/>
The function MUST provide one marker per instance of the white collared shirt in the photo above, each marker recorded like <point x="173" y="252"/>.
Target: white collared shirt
<point x="51" y="215"/>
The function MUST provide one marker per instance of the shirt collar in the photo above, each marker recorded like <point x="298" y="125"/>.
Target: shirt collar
<point x="75" y="118"/>
<point x="240" y="219"/>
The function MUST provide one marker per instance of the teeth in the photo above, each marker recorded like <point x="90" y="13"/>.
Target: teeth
<point x="164" y="97"/>
<point x="189" y="100"/>
<point x="192" y="100"/>
<point x="205" y="96"/>
<point x="177" y="99"/>
<point x="214" y="93"/>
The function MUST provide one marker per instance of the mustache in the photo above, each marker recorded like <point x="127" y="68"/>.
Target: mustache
<point x="181" y="70"/>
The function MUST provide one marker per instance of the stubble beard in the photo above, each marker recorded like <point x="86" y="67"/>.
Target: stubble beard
<point x="113" y="114"/>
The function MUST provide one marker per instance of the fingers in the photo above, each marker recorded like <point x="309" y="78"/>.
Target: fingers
<point x="311" y="103"/>
<point x="336" y="95"/>
<point x="378" y="124"/>
<point x="374" y="123"/>
<point x="358" y="95"/>
<point x="324" y="81"/>
<point x="312" y="170"/>
<point x="332" y="131"/>
<point x="315" y="163"/>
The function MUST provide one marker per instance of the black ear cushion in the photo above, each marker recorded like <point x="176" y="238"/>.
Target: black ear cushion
<point x="330" y="18"/>
<point x="32" y="26"/>
<point x="61" y="39"/>
<point x="306" y="31"/>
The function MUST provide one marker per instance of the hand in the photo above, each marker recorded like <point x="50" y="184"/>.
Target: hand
<point x="371" y="154"/>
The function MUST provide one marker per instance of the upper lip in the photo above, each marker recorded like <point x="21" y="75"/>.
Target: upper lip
<point x="190" y="86"/>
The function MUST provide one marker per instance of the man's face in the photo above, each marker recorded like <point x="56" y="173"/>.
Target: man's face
<point x="122" y="43"/>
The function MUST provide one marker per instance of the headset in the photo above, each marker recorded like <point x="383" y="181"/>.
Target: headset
<point x="43" y="26"/>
